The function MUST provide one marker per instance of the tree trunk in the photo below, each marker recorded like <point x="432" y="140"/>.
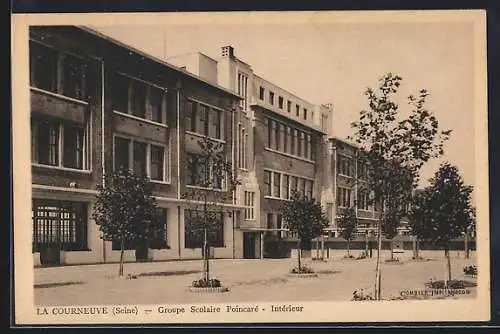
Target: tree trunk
<point x="205" y="256"/>
<point x="122" y="250"/>
<point x="392" y="250"/>
<point x="349" y="248"/>
<point x="466" y="246"/>
<point x="298" y="254"/>
<point x="448" y="263"/>
<point x="377" y="269"/>
<point x="366" y="243"/>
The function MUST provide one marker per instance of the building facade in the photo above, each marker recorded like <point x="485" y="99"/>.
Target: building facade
<point x="98" y="105"/>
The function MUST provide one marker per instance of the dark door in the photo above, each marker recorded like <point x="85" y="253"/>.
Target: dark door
<point x="249" y="245"/>
<point x="141" y="250"/>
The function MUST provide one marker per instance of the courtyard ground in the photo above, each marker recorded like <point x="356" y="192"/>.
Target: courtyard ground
<point x="248" y="280"/>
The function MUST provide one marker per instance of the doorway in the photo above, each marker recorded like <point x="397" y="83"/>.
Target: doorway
<point x="249" y="245"/>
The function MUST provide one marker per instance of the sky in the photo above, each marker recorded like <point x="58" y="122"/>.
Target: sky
<point x="334" y="62"/>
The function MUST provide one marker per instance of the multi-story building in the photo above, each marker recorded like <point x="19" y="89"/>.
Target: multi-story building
<point x="281" y="145"/>
<point x="98" y="105"/>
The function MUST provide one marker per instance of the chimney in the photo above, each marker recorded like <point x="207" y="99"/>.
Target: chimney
<point x="227" y="51"/>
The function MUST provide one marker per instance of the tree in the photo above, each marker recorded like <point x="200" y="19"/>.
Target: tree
<point x="215" y="183"/>
<point x="125" y="209"/>
<point x="347" y="224"/>
<point x="305" y="217"/>
<point x="443" y="211"/>
<point x="395" y="148"/>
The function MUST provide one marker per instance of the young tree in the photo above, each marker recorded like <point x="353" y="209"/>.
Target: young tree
<point x="304" y="217"/>
<point x="395" y="149"/>
<point x="348" y="223"/>
<point x="125" y="210"/>
<point x="215" y="183"/>
<point x="443" y="211"/>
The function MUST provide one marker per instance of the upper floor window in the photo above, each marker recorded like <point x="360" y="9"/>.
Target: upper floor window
<point x="305" y="113"/>
<point x="261" y="93"/>
<point x="344" y="197"/>
<point x="57" y="72"/>
<point x="280" y="102"/>
<point x="204" y="120"/>
<point x="267" y="183"/>
<point x="288" y="106"/>
<point x="201" y="173"/>
<point x="297" y="110"/>
<point x="271" y="98"/>
<point x="242" y="89"/>
<point x="288" y="140"/>
<point x="145" y="159"/>
<point x="363" y="200"/>
<point x="139" y="99"/>
<point x="344" y="165"/>
<point x="362" y="171"/>
<point x="59" y="143"/>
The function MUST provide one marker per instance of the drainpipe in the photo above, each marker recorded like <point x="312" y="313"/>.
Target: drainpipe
<point x="178" y="168"/>
<point x="103" y="164"/>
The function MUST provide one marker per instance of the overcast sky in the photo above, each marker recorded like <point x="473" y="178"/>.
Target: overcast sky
<point x="335" y="62"/>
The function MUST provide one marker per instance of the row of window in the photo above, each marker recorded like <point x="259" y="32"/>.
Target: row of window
<point x="281" y="185"/>
<point x="286" y="139"/>
<point x="65" y="223"/>
<point x="271" y="100"/>
<point x="204" y="120"/>
<point x="346" y="167"/>
<point x="344" y="199"/>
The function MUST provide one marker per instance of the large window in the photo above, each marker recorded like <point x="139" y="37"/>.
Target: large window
<point x="138" y="98"/>
<point x="363" y="200"/>
<point x="243" y="89"/>
<point x="194" y="232"/>
<point x="284" y="138"/>
<point x="59" y="222"/>
<point x="145" y="159"/>
<point x="249" y="202"/>
<point x="282" y="185"/>
<point x="57" y="72"/>
<point x="204" y="120"/>
<point x="344" y="197"/>
<point x="59" y="143"/>
<point x="200" y="173"/>
<point x="344" y="166"/>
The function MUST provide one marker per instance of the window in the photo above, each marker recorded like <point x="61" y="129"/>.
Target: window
<point x="273" y="134"/>
<point x="300" y="140"/>
<point x="243" y="89"/>
<point x="200" y="173"/>
<point x="293" y="184"/>
<point x="120" y="93"/>
<point x="285" y="130"/>
<point x="301" y="186"/>
<point x="271" y="98"/>
<point x="242" y="145"/>
<point x="362" y="171"/>
<point x="344" y="165"/>
<point x="289" y="106"/>
<point x="267" y="183"/>
<point x="344" y="197"/>
<point x="157" y="161"/>
<point x="280" y="102"/>
<point x="159" y="235"/>
<point x="249" y="203"/>
<point x="277" y="134"/>
<point x="309" y="188"/>
<point x="215" y="124"/>
<point x="276" y="184"/>
<point x="122" y="153"/>
<point x="138" y="99"/>
<point x="279" y="225"/>
<point x="270" y="221"/>
<point x="308" y="147"/>
<point x="202" y="121"/>
<point x="190" y="116"/>
<point x="59" y="143"/>
<point x="157" y="99"/>
<point x="57" y="72"/>
<point x="305" y="114"/>
<point x="261" y="93"/>
<point x="194" y="232"/>
<point x="297" y="110"/>
<point x="60" y="222"/>
<point x="293" y="143"/>
<point x="286" y="187"/>
<point x="363" y="200"/>
<point x="145" y="159"/>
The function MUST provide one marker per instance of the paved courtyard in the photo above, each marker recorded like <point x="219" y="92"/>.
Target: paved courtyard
<point x="249" y="280"/>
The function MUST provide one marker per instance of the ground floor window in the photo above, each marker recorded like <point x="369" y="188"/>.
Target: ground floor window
<point x="194" y="229"/>
<point x="158" y="238"/>
<point x="59" y="222"/>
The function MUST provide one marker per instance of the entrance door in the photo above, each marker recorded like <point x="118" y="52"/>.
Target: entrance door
<point x="249" y="245"/>
<point x="141" y="250"/>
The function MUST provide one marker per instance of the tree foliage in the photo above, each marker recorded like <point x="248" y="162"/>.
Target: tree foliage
<point x="348" y="223"/>
<point x="125" y="209"/>
<point x="443" y="210"/>
<point x="304" y="216"/>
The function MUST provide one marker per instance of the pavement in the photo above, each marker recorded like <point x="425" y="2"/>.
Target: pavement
<point x="265" y="280"/>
